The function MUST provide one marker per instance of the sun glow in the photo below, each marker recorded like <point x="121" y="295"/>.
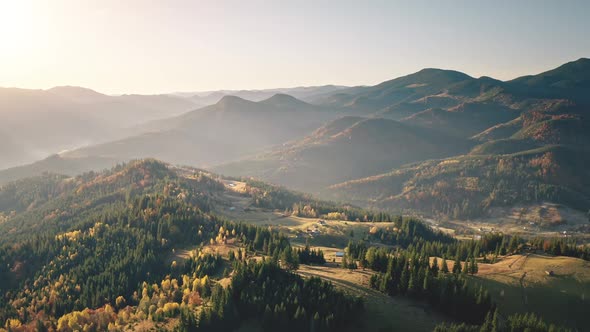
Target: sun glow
<point x="18" y="28"/>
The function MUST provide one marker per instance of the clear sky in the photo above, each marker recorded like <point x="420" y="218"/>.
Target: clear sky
<point x="145" y="46"/>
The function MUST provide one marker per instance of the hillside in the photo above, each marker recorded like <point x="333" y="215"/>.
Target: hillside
<point x="347" y="148"/>
<point x="226" y="131"/>
<point x="569" y="81"/>
<point x="470" y="186"/>
<point x="55" y="202"/>
<point x="96" y="241"/>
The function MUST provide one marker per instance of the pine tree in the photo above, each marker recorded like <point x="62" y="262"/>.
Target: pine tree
<point x="315" y="323"/>
<point x="496" y="253"/>
<point x="411" y="285"/>
<point x="434" y="268"/>
<point x="40" y="326"/>
<point x="457" y="265"/>
<point x="487" y="324"/>
<point x="267" y="319"/>
<point x="426" y="283"/>
<point x="474" y="267"/>
<point x="445" y="266"/>
<point x="290" y="259"/>
<point x="495" y="322"/>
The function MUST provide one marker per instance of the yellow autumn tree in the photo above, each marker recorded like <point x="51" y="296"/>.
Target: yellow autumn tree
<point x="12" y="323"/>
<point x="120" y="302"/>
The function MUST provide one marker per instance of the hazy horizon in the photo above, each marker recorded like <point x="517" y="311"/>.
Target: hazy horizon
<point x="163" y="47"/>
<point x="269" y="87"/>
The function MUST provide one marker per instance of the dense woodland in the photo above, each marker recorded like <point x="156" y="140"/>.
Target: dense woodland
<point x="514" y="323"/>
<point x="98" y="252"/>
<point x="470" y="186"/>
<point x="278" y="299"/>
<point x="106" y="265"/>
<point x="411" y="273"/>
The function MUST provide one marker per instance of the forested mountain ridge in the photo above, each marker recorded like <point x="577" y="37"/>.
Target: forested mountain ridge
<point x="474" y="122"/>
<point x="102" y="245"/>
<point x="568" y="81"/>
<point x="468" y="186"/>
<point x="53" y="203"/>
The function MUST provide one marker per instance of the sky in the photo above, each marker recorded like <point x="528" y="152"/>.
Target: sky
<point x="148" y="46"/>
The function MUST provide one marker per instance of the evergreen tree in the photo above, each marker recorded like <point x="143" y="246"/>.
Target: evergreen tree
<point x="473" y="266"/>
<point x="434" y="269"/>
<point x="315" y="323"/>
<point x="457" y="265"/>
<point x="445" y="266"/>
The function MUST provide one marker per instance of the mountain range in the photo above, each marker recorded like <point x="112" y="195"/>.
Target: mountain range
<point x="39" y="123"/>
<point x="438" y="142"/>
<point x="304" y="93"/>
<point x="230" y="129"/>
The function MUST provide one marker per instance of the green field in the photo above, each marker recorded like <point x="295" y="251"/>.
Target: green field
<point x="562" y="298"/>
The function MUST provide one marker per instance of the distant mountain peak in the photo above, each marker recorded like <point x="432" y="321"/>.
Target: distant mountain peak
<point x="282" y="100"/>
<point x="573" y="72"/>
<point x="77" y="93"/>
<point x="282" y="96"/>
<point x="435" y="70"/>
<point x="427" y="77"/>
<point x="229" y="100"/>
<point x="454" y="74"/>
<point x="489" y="79"/>
<point x="71" y="88"/>
<point x="578" y="67"/>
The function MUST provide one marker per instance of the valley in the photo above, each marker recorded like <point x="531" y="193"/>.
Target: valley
<point x="504" y="279"/>
<point x="569" y="280"/>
